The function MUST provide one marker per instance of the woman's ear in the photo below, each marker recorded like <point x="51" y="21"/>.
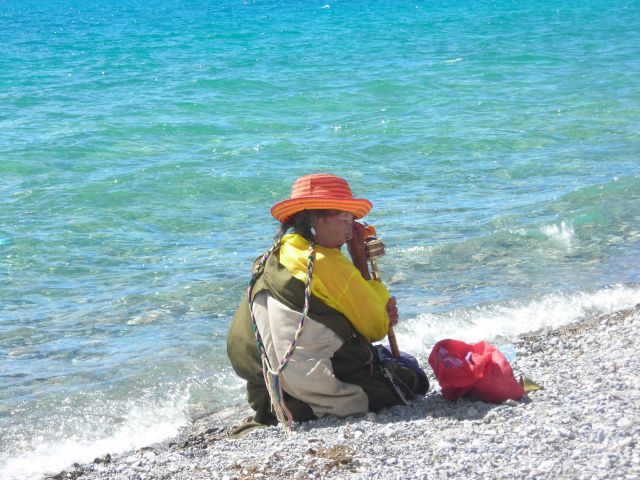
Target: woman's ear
<point x="312" y="229"/>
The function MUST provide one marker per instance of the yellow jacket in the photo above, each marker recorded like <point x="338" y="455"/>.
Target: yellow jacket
<point x="339" y="284"/>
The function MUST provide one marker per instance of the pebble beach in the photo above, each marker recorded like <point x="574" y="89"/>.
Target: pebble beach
<point x="584" y="424"/>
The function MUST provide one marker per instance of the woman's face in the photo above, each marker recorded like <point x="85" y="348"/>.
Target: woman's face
<point x="334" y="229"/>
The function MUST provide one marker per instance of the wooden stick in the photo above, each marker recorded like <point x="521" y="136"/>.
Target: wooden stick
<point x="393" y="343"/>
<point x="391" y="335"/>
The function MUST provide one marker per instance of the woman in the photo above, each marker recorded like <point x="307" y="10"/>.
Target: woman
<point x="314" y="315"/>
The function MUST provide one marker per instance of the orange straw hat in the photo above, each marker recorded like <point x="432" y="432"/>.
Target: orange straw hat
<point x="320" y="191"/>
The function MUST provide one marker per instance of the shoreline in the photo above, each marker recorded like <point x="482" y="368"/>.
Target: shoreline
<point x="584" y="424"/>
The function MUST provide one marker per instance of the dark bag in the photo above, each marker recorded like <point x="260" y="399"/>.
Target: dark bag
<point x="407" y="368"/>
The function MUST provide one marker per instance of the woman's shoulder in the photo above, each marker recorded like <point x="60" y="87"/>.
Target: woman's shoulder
<point x="333" y="258"/>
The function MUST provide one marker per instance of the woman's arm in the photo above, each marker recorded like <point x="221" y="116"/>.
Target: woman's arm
<point x="357" y="250"/>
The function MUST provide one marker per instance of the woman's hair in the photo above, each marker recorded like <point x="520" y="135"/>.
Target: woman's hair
<point x="302" y="223"/>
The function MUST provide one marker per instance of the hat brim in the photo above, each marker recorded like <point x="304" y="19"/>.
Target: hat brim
<point x="283" y="210"/>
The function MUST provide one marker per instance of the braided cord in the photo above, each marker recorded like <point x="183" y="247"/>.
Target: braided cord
<point x="272" y="378"/>
<point x="252" y="282"/>
<point x="307" y="297"/>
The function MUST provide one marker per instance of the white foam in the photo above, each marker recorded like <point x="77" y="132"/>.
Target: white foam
<point x="411" y="250"/>
<point x="143" y="425"/>
<point x="512" y="319"/>
<point x="562" y="235"/>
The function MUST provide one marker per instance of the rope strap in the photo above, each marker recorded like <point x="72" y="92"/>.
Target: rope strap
<point x="272" y="378"/>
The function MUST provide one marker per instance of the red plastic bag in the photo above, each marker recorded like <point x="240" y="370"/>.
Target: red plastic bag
<point x="478" y="370"/>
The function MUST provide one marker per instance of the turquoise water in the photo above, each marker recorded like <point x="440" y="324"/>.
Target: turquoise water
<point x="142" y="144"/>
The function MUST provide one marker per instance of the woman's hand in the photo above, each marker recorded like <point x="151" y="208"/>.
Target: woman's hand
<point x="358" y="254"/>
<point x="392" y="311"/>
<point x="356" y="248"/>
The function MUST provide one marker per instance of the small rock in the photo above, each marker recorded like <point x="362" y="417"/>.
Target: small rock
<point x="625" y="423"/>
<point x="105" y="459"/>
<point x="606" y="462"/>
<point x="443" y="445"/>
<point x="625" y="442"/>
<point x="477" y="443"/>
<point x="546" y="466"/>
<point x="489" y="417"/>
<point x="213" y="430"/>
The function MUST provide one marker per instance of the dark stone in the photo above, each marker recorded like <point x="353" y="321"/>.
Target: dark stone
<point x="213" y="430"/>
<point x="105" y="459"/>
<point x="68" y="475"/>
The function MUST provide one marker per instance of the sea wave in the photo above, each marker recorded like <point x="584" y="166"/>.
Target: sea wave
<point x="511" y="319"/>
<point x="142" y="424"/>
